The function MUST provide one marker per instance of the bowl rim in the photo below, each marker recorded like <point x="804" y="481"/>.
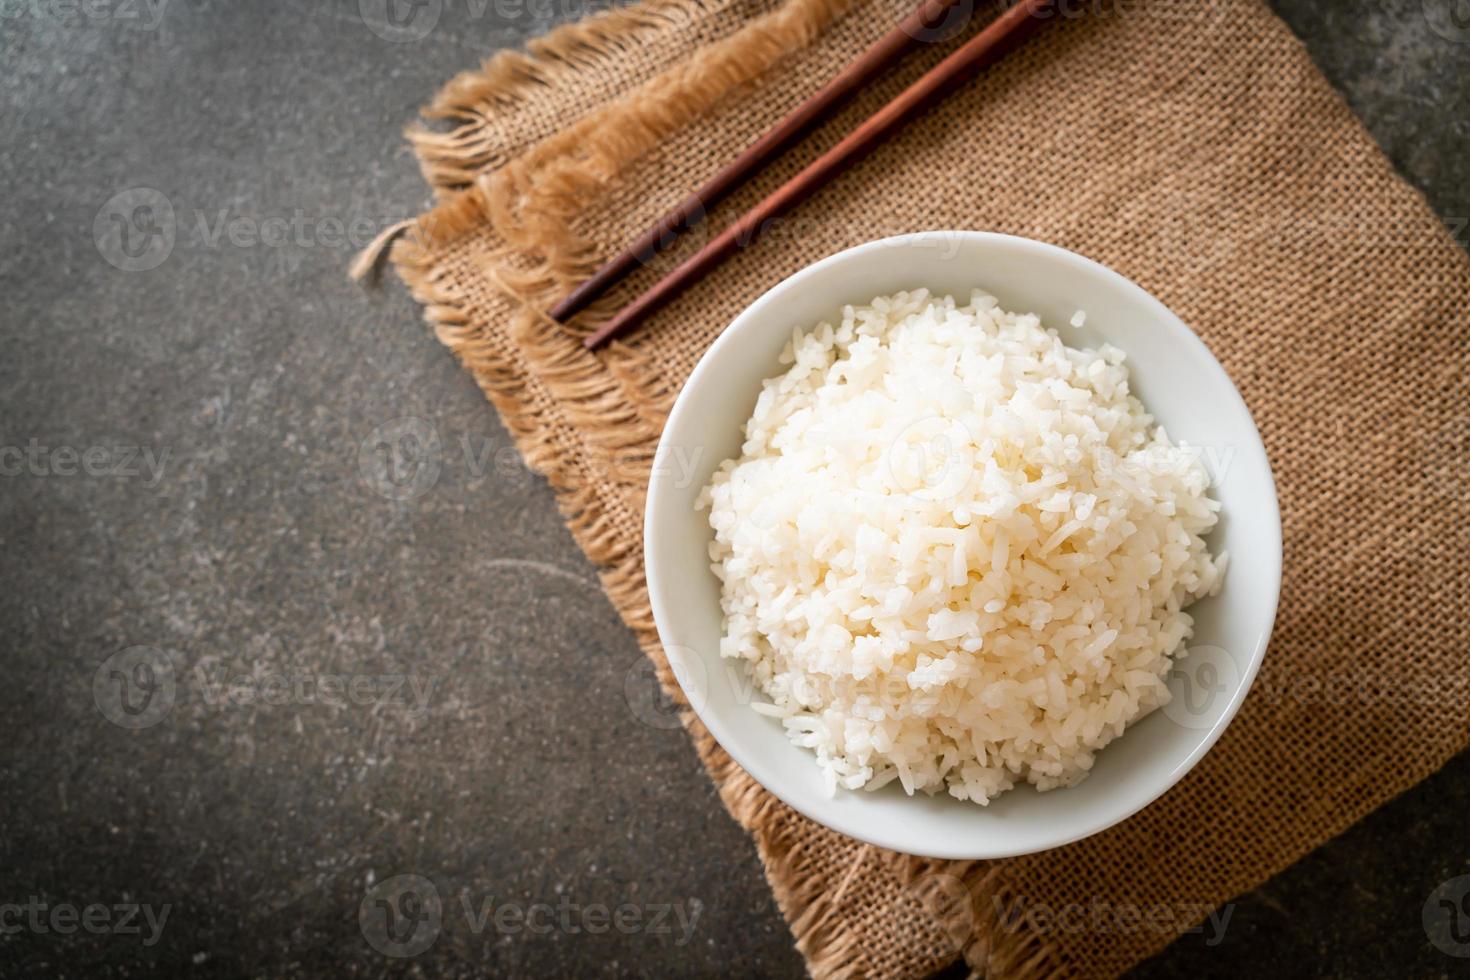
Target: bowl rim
<point x="844" y="822"/>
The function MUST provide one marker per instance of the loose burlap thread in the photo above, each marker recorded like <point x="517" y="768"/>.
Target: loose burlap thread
<point x="1190" y="145"/>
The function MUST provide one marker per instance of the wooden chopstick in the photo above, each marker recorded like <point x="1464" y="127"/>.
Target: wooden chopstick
<point x="997" y="39"/>
<point x="805" y="117"/>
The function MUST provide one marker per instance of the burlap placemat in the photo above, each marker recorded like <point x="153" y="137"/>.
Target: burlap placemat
<point x="1193" y="147"/>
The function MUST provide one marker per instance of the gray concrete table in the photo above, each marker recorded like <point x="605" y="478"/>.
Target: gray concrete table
<point x="244" y="692"/>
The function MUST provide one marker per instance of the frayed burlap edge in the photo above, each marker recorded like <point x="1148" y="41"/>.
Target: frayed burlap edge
<point x="510" y="79"/>
<point x="619" y="404"/>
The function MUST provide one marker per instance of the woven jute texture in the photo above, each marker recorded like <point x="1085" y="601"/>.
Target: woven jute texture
<point x="1190" y="145"/>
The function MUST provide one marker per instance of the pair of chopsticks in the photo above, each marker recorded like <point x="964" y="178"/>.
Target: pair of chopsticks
<point x="997" y="39"/>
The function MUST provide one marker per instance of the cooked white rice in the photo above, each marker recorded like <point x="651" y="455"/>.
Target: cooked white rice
<point x="955" y="553"/>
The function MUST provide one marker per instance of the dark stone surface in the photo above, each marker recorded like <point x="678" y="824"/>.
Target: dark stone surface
<point x="250" y="538"/>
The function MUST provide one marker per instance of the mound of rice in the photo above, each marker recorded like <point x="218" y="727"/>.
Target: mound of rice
<point x="956" y="552"/>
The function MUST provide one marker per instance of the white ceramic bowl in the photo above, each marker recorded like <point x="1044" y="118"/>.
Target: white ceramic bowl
<point x="1179" y="382"/>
